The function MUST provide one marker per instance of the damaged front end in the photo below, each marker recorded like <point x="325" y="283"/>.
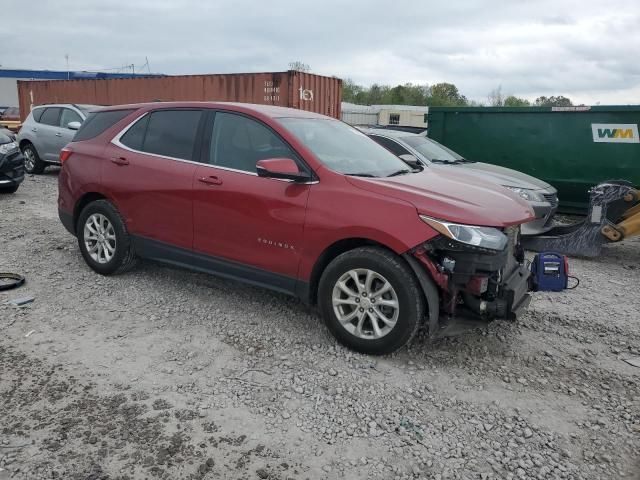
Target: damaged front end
<point x="479" y="272"/>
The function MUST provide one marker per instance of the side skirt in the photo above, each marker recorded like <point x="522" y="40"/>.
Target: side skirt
<point x="169" y="254"/>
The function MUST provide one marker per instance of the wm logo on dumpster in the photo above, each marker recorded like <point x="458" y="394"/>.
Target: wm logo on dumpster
<point x="615" y="132"/>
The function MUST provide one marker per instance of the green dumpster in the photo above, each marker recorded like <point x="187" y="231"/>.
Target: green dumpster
<point x="572" y="148"/>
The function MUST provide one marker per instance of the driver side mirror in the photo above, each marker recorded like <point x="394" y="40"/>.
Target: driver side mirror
<point x="410" y="160"/>
<point x="74" y="125"/>
<point x="283" y="168"/>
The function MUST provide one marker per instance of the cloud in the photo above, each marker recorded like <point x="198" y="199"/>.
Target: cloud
<point x="583" y="49"/>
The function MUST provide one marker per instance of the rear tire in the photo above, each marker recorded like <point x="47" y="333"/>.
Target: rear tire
<point x="103" y="239"/>
<point x="371" y="301"/>
<point x="32" y="162"/>
<point x="12" y="189"/>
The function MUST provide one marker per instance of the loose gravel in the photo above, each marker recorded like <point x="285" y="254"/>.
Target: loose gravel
<point x="162" y="373"/>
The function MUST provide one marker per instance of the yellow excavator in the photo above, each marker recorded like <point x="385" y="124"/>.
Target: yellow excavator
<point x="614" y="215"/>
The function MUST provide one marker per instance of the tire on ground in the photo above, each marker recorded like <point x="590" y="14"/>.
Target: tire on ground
<point x="395" y="270"/>
<point x="124" y="257"/>
<point x="38" y="165"/>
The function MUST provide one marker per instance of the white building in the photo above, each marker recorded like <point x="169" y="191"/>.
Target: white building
<point x="383" y="115"/>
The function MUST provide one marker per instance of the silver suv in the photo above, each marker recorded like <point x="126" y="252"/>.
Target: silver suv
<point x="47" y="129"/>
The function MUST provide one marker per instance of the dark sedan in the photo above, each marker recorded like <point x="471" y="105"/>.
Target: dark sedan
<point x="11" y="164"/>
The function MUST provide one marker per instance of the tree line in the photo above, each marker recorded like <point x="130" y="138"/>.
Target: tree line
<point x="438" y="95"/>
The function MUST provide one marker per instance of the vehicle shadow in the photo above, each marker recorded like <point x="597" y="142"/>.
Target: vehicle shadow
<point x="290" y="315"/>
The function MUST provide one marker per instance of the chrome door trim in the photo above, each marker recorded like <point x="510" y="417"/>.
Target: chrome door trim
<point x="116" y="141"/>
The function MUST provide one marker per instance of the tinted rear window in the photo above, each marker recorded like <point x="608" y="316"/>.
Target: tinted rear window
<point x="50" y="116"/>
<point x="98" y="122"/>
<point x="172" y="133"/>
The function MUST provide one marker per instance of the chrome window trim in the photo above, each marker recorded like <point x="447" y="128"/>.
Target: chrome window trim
<point x="116" y="141"/>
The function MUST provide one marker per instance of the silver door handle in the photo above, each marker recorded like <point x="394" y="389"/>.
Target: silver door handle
<point x="58" y="134"/>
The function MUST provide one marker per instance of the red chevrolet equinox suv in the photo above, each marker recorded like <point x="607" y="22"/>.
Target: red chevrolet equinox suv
<point x="299" y="203"/>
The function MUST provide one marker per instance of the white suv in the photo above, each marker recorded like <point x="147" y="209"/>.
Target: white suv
<point x="47" y="129"/>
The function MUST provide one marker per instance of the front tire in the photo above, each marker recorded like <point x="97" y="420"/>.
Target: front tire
<point x="32" y="162"/>
<point x="371" y="301"/>
<point x="103" y="239"/>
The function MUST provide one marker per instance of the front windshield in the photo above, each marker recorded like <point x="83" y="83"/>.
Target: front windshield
<point x="431" y="149"/>
<point x="343" y="148"/>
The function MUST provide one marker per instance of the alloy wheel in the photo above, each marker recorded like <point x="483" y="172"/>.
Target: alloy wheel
<point x="99" y="238"/>
<point x="29" y="159"/>
<point x="365" y="304"/>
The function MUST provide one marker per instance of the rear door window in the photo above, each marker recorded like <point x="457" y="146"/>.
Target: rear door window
<point x="239" y="142"/>
<point x="51" y="116"/>
<point x="172" y="133"/>
<point x="97" y="122"/>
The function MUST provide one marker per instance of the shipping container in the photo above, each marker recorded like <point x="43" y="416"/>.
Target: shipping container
<point x="572" y="148"/>
<point x="294" y="89"/>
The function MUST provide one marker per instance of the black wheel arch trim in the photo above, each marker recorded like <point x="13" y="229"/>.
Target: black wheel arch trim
<point x="68" y="221"/>
<point x="430" y="292"/>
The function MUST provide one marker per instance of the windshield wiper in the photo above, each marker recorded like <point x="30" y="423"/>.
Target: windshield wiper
<point x="453" y="162"/>
<point x="400" y="172"/>
<point x="439" y="160"/>
<point x="361" y="174"/>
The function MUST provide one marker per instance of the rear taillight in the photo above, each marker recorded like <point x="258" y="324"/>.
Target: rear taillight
<point x="65" y="153"/>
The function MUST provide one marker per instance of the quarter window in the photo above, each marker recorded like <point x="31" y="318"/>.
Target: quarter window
<point x="239" y="142"/>
<point x="37" y="113"/>
<point x="172" y="133"/>
<point x="134" y="137"/>
<point x="51" y="117"/>
<point x="97" y="122"/>
<point x="390" y="145"/>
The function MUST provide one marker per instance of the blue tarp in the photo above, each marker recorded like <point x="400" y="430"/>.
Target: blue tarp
<point x="64" y="75"/>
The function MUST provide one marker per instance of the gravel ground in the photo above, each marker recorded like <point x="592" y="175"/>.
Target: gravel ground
<point x="164" y="373"/>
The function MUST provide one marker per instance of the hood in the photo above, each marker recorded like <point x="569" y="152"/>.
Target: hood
<point x="498" y="175"/>
<point x="447" y="195"/>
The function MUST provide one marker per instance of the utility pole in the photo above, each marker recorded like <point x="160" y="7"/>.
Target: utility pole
<point x="66" y="56"/>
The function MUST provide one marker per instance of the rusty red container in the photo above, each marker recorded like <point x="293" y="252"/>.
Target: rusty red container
<point x="305" y="91"/>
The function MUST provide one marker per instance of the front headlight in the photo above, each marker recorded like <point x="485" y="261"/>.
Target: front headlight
<point x="528" y="195"/>
<point x="8" y="147"/>
<point x="484" y="237"/>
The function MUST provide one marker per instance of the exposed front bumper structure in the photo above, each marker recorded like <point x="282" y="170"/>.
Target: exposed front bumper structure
<point x="475" y="282"/>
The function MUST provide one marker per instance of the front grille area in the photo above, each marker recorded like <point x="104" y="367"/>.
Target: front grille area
<point x="552" y="198"/>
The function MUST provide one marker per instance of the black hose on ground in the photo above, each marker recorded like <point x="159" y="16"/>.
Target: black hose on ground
<point x="9" y="281"/>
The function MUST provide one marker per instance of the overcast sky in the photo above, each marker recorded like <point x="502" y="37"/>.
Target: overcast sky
<point x="587" y="50"/>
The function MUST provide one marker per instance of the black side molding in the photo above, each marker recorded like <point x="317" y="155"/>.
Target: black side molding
<point x="165" y="253"/>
